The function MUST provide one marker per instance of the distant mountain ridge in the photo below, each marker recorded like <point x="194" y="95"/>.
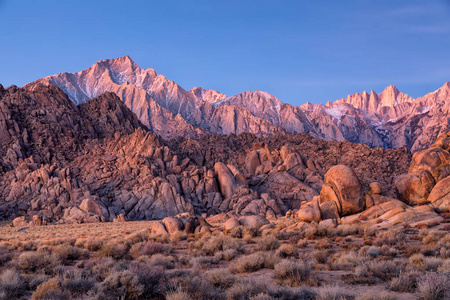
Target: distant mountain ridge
<point x="389" y="119"/>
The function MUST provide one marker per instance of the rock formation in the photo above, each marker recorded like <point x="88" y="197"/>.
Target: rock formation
<point x="96" y="162"/>
<point x="389" y="119"/>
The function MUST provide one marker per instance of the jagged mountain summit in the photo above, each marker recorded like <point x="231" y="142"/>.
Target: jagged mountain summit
<point x="389" y="119"/>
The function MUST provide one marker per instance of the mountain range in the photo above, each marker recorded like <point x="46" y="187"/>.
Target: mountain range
<point x="390" y="119"/>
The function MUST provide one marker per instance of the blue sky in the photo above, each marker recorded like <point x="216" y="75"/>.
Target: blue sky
<point x="297" y="50"/>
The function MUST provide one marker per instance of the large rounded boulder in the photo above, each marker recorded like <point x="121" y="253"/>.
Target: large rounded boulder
<point x="434" y="160"/>
<point x="414" y="188"/>
<point x="343" y="187"/>
<point x="440" y="195"/>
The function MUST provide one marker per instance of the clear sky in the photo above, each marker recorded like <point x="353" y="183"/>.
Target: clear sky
<point x="297" y="50"/>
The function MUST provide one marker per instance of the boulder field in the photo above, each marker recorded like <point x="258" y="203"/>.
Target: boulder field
<point x="96" y="162"/>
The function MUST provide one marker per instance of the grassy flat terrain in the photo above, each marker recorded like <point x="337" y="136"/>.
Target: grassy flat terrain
<point x="285" y="260"/>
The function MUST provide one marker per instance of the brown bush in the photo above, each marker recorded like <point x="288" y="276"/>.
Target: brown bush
<point x="293" y="273"/>
<point x="406" y="282"/>
<point x="116" y="251"/>
<point x="220" y="278"/>
<point x="150" y="248"/>
<point x="34" y="261"/>
<point x="287" y="250"/>
<point x="12" y="285"/>
<point x="247" y="264"/>
<point x="268" y="243"/>
<point x="123" y="285"/>
<point x="434" y="286"/>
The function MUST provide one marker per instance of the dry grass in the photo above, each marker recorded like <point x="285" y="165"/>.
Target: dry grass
<point x="122" y="261"/>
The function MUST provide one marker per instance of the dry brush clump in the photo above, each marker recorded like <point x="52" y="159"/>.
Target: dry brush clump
<point x="293" y="273"/>
<point x="12" y="285"/>
<point x="33" y="262"/>
<point x="434" y="286"/>
<point x="248" y="263"/>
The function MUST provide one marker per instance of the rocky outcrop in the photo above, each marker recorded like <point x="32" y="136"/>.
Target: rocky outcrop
<point x="97" y="162"/>
<point x="428" y="177"/>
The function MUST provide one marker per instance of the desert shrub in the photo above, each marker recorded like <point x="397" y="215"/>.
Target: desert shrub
<point x="282" y="293"/>
<point x="321" y="257"/>
<point x="268" y="243"/>
<point x="205" y="262"/>
<point x="262" y="296"/>
<point x="220" y="278"/>
<point x="177" y="295"/>
<point x="373" y="251"/>
<point x="244" y="289"/>
<point x="314" y="231"/>
<point x="50" y="289"/>
<point x="158" y="259"/>
<point x="66" y="252"/>
<point x="152" y="279"/>
<point x="302" y="244"/>
<point x="270" y="259"/>
<point x="445" y="267"/>
<point x="293" y="273"/>
<point x="333" y="293"/>
<point x="196" y="287"/>
<point x="90" y="244"/>
<point x="211" y="245"/>
<point x="178" y="236"/>
<point x="375" y="296"/>
<point x="123" y="285"/>
<point x="385" y="270"/>
<point x="432" y="263"/>
<point x="69" y="285"/>
<point x="77" y="283"/>
<point x="434" y="286"/>
<point x="103" y="267"/>
<point x="347" y="260"/>
<point x="12" y="285"/>
<point x="349" y="229"/>
<point x="430" y="238"/>
<point x="287" y="250"/>
<point x="228" y="254"/>
<point x="323" y="244"/>
<point x="150" y="248"/>
<point x="33" y="262"/>
<point x="5" y="256"/>
<point x="417" y="260"/>
<point x="387" y="251"/>
<point x="248" y="263"/>
<point x="34" y="281"/>
<point x="116" y="251"/>
<point x="406" y="282"/>
<point x="138" y="237"/>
